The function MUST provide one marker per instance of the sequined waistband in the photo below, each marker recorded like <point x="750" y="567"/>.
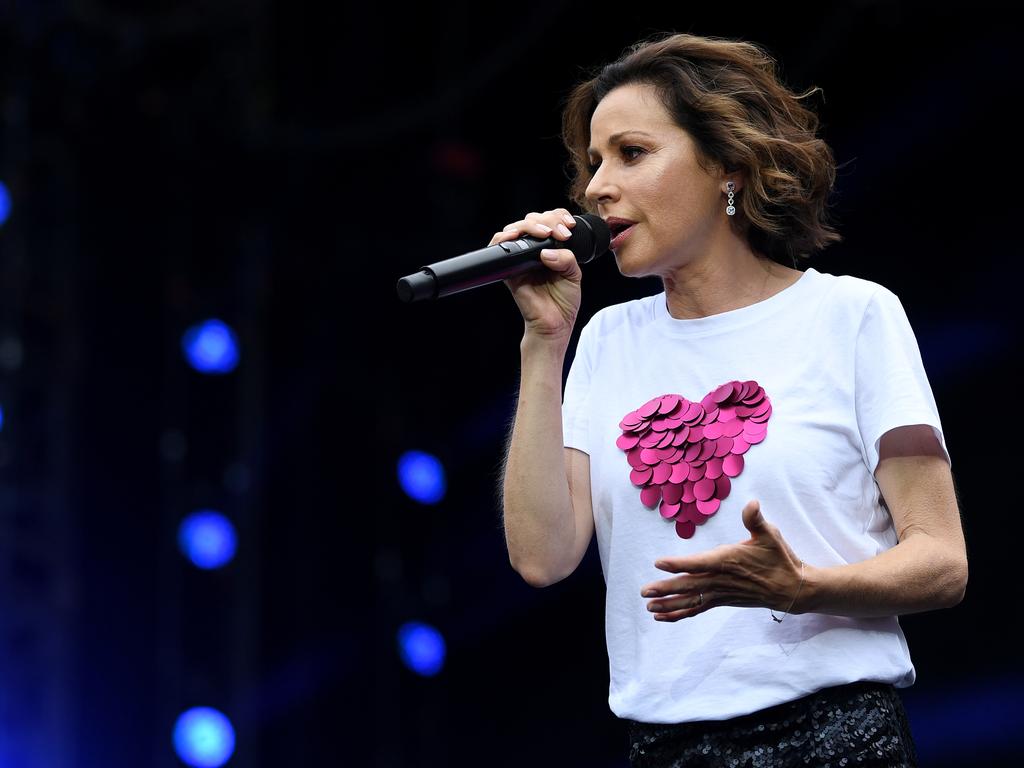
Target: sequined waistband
<point x="824" y="696"/>
<point x="862" y="723"/>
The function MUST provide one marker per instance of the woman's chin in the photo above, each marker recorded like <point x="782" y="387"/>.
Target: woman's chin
<point x="627" y="266"/>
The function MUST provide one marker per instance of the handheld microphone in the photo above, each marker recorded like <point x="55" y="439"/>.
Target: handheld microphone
<point x="590" y="238"/>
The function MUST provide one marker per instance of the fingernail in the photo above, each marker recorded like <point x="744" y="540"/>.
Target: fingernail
<point x="564" y="230"/>
<point x="545" y="227"/>
<point x="569" y="219"/>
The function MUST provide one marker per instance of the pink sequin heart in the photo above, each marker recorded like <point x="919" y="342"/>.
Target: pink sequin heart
<point x="683" y="453"/>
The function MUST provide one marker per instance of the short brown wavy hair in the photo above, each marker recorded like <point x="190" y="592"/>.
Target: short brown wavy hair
<point x="727" y="96"/>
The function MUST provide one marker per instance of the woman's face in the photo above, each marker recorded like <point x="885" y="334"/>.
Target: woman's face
<point x="652" y="178"/>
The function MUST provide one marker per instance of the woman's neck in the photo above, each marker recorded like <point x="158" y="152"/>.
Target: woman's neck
<point x="718" y="285"/>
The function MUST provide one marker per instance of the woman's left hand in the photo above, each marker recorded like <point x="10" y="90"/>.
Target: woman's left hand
<point x="761" y="571"/>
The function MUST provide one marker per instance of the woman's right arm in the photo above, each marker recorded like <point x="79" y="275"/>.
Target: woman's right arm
<point x="540" y="528"/>
<point x="548" y="514"/>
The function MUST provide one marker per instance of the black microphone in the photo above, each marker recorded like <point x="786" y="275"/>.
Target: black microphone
<point x="590" y="238"/>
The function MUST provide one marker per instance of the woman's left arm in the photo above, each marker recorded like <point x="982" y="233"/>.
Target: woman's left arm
<point x="926" y="570"/>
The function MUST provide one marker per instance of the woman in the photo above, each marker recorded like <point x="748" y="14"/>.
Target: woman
<point x="758" y="447"/>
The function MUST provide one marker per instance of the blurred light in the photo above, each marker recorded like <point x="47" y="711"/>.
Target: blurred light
<point x="1" y="418"/>
<point x="966" y="723"/>
<point x="203" y="737"/>
<point x="5" y="203"/>
<point x="211" y="347"/>
<point x="421" y="476"/>
<point x="421" y="647"/>
<point x="207" y="538"/>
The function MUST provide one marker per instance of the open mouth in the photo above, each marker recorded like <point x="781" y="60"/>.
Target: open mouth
<point x="619" y="233"/>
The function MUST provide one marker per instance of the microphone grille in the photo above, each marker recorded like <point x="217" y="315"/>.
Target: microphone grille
<point x="594" y="238"/>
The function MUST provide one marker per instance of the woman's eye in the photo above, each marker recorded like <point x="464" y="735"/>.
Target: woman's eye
<point x="625" y="150"/>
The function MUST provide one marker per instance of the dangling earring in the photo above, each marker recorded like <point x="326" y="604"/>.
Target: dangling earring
<point x="731" y="209"/>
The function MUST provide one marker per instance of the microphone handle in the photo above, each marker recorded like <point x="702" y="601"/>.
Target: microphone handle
<point x="470" y="270"/>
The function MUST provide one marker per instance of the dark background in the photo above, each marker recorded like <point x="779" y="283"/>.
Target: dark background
<point x="280" y="165"/>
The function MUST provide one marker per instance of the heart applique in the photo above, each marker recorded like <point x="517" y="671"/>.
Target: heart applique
<point x="683" y="453"/>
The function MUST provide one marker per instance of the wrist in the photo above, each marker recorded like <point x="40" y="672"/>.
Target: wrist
<point x="549" y="346"/>
<point x="815" y="588"/>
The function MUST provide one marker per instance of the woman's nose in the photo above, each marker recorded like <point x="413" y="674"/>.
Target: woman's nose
<point x="599" y="190"/>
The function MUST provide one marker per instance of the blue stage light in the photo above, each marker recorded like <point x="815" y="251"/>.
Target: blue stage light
<point x="1" y="418"/>
<point x="203" y="737"/>
<point x="211" y="347"/>
<point x="972" y="722"/>
<point x="421" y="477"/>
<point x="5" y="203"/>
<point x="421" y="647"/>
<point x="207" y="538"/>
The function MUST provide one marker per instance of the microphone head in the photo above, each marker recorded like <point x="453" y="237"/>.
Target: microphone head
<point x="590" y="238"/>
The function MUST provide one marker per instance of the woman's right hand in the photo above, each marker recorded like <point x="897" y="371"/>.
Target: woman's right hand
<point x="548" y="298"/>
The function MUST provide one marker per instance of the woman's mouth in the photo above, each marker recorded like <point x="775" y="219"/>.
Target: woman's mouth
<point x="620" y="238"/>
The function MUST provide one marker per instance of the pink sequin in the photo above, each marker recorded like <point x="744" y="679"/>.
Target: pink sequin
<point x="682" y="454"/>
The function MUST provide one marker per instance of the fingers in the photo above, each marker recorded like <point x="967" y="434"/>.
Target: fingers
<point x="563" y="261"/>
<point x="685" y="585"/>
<point x="710" y="562"/>
<point x="753" y="518"/>
<point x="553" y="218"/>
<point x="681" y="606"/>
<point x="501" y="237"/>
<point x="685" y="596"/>
<point x="557" y="223"/>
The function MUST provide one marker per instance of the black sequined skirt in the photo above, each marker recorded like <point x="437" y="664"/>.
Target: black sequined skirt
<point x="859" y="724"/>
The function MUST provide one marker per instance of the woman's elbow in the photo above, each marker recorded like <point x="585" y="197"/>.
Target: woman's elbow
<point x="956" y="581"/>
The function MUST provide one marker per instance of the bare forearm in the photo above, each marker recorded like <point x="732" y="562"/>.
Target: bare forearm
<point x="539" y="524"/>
<point x="921" y="573"/>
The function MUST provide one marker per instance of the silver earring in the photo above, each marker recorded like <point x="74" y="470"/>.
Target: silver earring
<point x="731" y="209"/>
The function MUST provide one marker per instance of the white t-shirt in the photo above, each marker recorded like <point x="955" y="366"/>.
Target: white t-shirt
<point x="837" y="359"/>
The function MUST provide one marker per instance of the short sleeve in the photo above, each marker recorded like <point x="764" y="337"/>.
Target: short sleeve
<point x="575" y="421"/>
<point x="891" y="387"/>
